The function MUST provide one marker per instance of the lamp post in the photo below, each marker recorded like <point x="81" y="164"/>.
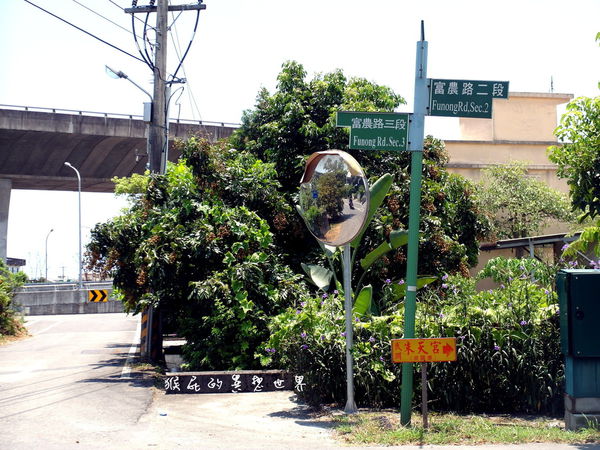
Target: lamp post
<point x="68" y="164"/>
<point x="46" y="263"/>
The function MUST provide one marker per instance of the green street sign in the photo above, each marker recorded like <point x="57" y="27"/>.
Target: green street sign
<point x="375" y="130"/>
<point x="464" y="98"/>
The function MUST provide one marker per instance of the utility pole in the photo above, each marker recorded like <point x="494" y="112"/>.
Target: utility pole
<point x="158" y="133"/>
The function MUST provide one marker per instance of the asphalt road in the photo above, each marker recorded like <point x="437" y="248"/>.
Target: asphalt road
<point x="64" y="385"/>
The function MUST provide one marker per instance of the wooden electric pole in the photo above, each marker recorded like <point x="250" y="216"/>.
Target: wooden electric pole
<point x="158" y="136"/>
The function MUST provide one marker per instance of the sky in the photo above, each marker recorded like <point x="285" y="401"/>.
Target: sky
<point x="239" y="47"/>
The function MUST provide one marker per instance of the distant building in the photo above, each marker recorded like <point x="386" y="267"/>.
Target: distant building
<point x="521" y="129"/>
<point x="15" y="264"/>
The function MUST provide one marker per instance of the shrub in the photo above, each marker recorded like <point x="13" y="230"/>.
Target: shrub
<point x="507" y="343"/>
<point x="10" y="324"/>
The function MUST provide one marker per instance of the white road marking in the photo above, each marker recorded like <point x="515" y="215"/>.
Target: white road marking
<point x="126" y="372"/>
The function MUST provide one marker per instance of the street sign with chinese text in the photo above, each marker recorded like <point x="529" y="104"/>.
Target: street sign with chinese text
<point x="375" y="130"/>
<point x="423" y="350"/>
<point x="464" y="98"/>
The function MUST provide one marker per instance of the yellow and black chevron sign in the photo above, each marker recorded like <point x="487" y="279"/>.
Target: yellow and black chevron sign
<point x="99" y="295"/>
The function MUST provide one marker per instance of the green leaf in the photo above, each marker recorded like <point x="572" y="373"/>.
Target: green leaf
<point x="319" y="276"/>
<point x="362" y="304"/>
<point x="399" y="290"/>
<point x="377" y="193"/>
<point x="327" y="249"/>
<point x="373" y="256"/>
<point x="397" y="239"/>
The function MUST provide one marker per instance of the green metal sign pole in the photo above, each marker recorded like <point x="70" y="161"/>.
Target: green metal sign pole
<point x="415" y="145"/>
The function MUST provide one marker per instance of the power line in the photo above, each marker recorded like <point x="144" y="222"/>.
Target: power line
<point x="177" y="48"/>
<point x="84" y="31"/>
<point x="119" y="6"/>
<point x="100" y="15"/>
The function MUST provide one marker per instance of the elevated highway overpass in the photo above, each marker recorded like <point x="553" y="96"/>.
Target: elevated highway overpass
<point x="36" y="142"/>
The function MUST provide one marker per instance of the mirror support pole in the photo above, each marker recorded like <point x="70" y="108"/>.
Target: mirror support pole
<point x="350" y="405"/>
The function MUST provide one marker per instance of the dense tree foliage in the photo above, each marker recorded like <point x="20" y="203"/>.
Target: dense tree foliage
<point x="517" y="204"/>
<point x="299" y="118"/>
<point x="217" y="244"/>
<point x="578" y="158"/>
<point x="193" y="246"/>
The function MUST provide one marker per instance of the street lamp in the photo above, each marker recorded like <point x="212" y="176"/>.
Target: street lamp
<point x="46" y="264"/>
<point x="68" y="164"/>
<point x="116" y="74"/>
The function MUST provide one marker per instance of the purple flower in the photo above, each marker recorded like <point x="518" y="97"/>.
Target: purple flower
<point x="303" y="335"/>
<point x="564" y="247"/>
<point x="381" y="359"/>
<point x="343" y="334"/>
<point x="444" y="286"/>
<point x="490" y="291"/>
<point x="325" y="295"/>
<point x="522" y="267"/>
<point x="401" y="282"/>
<point x="322" y="337"/>
<point x="371" y="339"/>
<point x="510" y="279"/>
<point x="496" y="347"/>
<point x="445" y="277"/>
<point x="442" y="315"/>
<point x="388" y="281"/>
<point x="336" y="292"/>
<point x="502" y="286"/>
<point x="523" y="323"/>
<point x="304" y="346"/>
<point x="462" y="338"/>
<point x="509" y="305"/>
<point x="270" y="350"/>
<point x="357" y="319"/>
<point x="303" y="304"/>
<point x="298" y="311"/>
<point x="546" y="291"/>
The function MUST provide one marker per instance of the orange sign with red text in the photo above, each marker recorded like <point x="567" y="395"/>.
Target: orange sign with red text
<point x="423" y="350"/>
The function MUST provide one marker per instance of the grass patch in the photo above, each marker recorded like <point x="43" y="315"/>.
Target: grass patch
<point x="383" y="428"/>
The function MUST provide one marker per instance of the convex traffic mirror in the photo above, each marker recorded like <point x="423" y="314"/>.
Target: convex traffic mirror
<point x="334" y="197"/>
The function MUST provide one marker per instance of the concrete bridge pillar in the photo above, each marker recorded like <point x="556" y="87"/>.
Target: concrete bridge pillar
<point x="5" y="187"/>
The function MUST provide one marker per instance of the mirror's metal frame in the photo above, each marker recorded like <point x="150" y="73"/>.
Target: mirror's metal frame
<point x="352" y="164"/>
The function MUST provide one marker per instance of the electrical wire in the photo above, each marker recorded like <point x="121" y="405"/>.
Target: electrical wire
<point x="148" y="61"/>
<point x="189" y="45"/>
<point x="194" y="105"/>
<point x="84" y="31"/>
<point x="146" y="40"/>
<point x="100" y="15"/>
<point x="121" y="8"/>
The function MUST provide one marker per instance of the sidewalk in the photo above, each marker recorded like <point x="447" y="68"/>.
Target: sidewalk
<point x="267" y="420"/>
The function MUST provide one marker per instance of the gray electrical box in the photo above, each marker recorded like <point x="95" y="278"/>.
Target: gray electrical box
<point x="147" y="112"/>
